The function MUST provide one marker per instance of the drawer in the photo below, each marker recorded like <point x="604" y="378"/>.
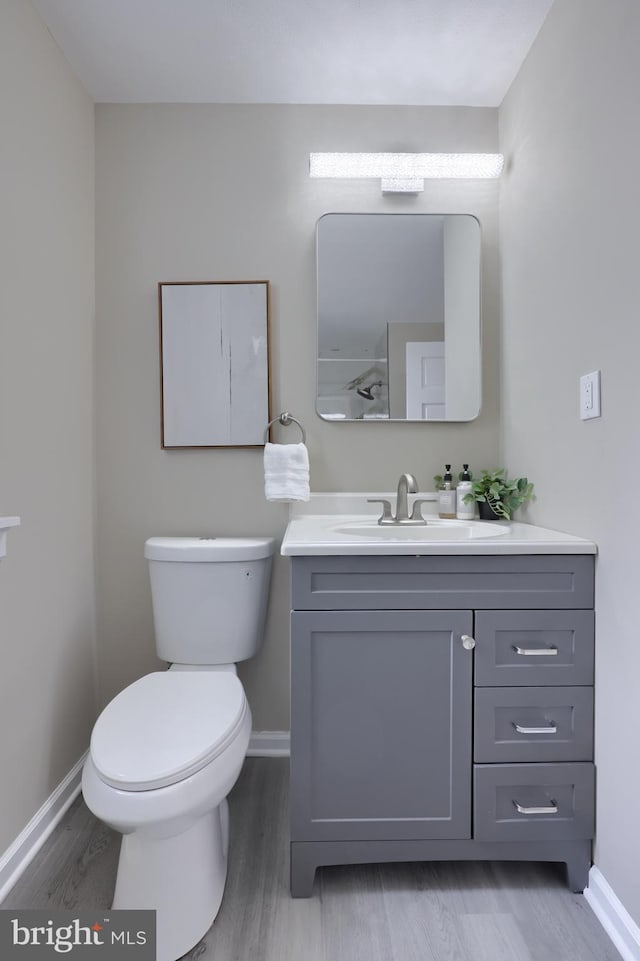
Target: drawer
<point x="533" y="802"/>
<point x="541" y="581"/>
<point x="534" y="647"/>
<point x="533" y="724"/>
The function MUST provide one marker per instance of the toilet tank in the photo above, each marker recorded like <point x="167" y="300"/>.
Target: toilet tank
<point x="209" y="596"/>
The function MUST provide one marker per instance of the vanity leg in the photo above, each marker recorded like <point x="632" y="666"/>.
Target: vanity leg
<point x="303" y="871"/>
<point x="578" y="864"/>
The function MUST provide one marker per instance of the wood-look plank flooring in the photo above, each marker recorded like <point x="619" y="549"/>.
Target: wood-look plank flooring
<point x="438" y="911"/>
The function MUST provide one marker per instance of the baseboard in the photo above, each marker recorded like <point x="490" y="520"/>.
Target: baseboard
<point x="269" y="744"/>
<point x="25" y="847"/>
<point x="613" y="916"/>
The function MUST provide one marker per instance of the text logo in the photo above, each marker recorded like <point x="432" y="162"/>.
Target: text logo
<point x="27" y="935"/>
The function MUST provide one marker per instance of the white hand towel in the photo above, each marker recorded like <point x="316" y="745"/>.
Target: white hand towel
<point x="286" y="472"/>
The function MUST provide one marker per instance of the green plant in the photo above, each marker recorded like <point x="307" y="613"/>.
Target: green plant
<point x="503" y="496"/>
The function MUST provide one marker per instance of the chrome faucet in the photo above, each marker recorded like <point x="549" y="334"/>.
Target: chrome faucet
<point x="406" y="485"/>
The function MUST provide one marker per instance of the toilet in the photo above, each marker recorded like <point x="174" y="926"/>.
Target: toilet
<point x="168" y="749"/>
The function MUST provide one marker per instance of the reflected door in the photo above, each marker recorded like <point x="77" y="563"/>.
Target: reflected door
<point x="425" y="380"/>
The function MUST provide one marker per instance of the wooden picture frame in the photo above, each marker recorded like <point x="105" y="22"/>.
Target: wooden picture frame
<point x="214" y="363"/>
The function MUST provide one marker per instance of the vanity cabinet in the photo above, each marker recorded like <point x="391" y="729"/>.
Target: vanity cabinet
<point x="410" y="743"/>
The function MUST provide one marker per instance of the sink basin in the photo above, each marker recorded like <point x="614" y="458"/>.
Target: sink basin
<point x="335" y="524"/>
<point x="433" y="530"/>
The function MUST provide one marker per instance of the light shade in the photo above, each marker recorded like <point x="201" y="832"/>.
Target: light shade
<point x="406" y="172"/>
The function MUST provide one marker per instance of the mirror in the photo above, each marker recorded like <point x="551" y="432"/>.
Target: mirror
<point x="214" y="361"/>
<point x="398" y="317"/>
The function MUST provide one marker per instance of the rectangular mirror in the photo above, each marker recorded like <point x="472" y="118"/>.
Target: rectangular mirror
<point x="214" y="359"/>
<point x="398" y="317"/>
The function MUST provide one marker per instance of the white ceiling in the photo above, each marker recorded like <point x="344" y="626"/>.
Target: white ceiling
<point x="414" y="52"/>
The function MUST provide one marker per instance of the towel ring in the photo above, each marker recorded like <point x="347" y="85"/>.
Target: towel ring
<point x="285" y="419"/>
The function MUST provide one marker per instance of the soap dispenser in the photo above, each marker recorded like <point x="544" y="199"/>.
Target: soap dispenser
<point x="447" y="496"/>
<point x="464" y="512"/>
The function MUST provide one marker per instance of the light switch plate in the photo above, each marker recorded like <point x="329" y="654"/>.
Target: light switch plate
<point x="590" y="395"/>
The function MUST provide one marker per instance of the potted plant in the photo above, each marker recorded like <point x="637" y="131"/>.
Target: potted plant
<point x="496" y="496"/>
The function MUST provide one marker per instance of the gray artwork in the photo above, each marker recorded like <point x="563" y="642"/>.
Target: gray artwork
<point x="215" y="365"/>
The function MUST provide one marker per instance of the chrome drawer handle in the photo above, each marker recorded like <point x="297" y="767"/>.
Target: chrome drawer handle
<point x="550" y="729"/>
<point x="535" y="651"/>
<point x="550" y="809"/>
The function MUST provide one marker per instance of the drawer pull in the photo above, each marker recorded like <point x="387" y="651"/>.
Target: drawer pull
<point x="549" y="809"/>
<point x="549" y="729"/>
<point x="535" y="651"/>
<point x="468" y="642"/>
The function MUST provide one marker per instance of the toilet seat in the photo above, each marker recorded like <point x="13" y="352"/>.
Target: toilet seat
<point x="165" y="727"/>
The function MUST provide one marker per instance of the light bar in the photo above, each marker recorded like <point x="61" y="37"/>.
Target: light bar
<point x="407" y="170"/>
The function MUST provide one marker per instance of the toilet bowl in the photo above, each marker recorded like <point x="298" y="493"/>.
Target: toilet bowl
<point x="168" y="749"/>
<point x="164" y="755"/>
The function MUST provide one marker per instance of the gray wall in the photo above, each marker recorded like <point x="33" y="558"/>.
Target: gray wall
<point x="221" y="193"/>
<point x="47" y="634"/>
<point x="198" y="192"/>
<point x="570" y="204"/>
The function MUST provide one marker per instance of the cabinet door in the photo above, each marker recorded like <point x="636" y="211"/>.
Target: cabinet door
<point x="380" y="725"/>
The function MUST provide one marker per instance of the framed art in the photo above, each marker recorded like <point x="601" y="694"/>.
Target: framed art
<point x="214" y="362"/>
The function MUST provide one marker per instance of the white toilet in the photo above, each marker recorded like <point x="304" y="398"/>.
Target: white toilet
<point x="168" y="749"/>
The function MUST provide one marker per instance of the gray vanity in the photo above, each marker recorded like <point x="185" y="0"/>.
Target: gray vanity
<point x="441" y="698"/>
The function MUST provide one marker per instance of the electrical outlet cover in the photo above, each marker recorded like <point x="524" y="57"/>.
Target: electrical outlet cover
<point x="590" y="395"/>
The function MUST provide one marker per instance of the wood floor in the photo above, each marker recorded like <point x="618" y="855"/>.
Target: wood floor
<point x="394" y="912"/>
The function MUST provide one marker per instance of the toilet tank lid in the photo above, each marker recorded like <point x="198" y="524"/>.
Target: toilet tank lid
<point x="208" y="549"/>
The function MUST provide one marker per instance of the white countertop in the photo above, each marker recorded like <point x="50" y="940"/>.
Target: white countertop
<point x="344" y="524"/>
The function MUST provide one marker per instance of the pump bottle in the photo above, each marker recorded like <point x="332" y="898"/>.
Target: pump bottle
<point x="464" y="512"/>
<point x="447" y="496"/>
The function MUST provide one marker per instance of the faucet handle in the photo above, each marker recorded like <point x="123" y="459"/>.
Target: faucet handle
<point x="385" y="517"/>
<point x="416" y="513"/>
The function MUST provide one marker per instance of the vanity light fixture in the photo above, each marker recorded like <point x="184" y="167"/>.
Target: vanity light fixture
<point x="406" y="172"/>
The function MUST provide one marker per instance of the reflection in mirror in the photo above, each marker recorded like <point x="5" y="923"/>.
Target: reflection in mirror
<point x="398" y="317"/>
